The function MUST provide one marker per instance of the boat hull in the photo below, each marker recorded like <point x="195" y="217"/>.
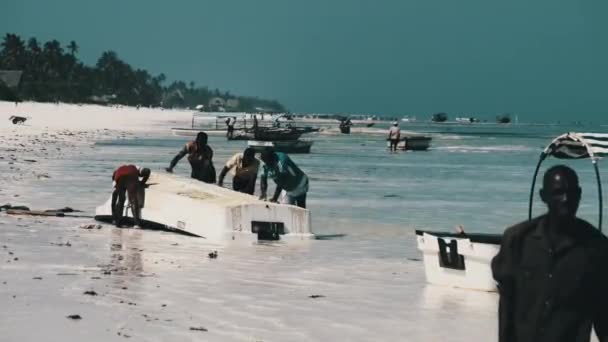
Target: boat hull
<point x="412" y="143"/>
<point x="214" y="213"/>
<point x="296" y="146"/>
<point x="459" y="260"/>
<point x="192" y="132"/>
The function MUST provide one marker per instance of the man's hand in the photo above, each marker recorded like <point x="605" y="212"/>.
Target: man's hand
<point x="168" y="169"/>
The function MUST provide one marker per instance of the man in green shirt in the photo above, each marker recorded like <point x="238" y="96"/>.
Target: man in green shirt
<point x="286" y="175"/>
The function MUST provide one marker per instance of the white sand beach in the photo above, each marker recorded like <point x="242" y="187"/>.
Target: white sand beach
<point x="152" y="286"/>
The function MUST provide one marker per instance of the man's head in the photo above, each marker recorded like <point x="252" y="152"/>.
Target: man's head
<point x="201" y="138"/>
<point x="248" y="155"/>
<point x="395" y="123"/>
<point x="145" y="172"/>
<point x="269" y="158"/>
<point x="561" y="191"/>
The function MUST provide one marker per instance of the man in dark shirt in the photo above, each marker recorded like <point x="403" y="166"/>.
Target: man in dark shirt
<point x="551" y="271"/>
<point x="200" y="156"/>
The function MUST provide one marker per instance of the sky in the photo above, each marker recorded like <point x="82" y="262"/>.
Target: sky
<point x="542" y="60"/>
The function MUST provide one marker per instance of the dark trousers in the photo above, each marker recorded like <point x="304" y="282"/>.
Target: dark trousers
<point x="394" y="143"/>
<point x="300" y="201"/>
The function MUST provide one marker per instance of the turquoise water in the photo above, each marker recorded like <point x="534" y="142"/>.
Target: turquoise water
<point x="477" y="176"/>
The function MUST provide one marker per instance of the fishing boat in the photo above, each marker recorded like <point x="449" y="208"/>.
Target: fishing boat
<point x="217" y="214"/>
<point x="288" y="146"/>
<point x="464" y="260"/>
<point x="412" y="142"/>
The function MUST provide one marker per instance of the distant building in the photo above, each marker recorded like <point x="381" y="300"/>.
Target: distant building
<point x="232" y="104"/>
<point x="11" y="78"/>
<point x="217" y="104"/>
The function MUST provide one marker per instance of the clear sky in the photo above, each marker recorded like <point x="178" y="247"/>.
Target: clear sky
<point x="539" y="59"/>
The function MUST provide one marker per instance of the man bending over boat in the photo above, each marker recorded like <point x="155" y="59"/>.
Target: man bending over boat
<point x="200" y="156"/>
<point x="287" y="176"/>
<point x="244" y="167"/>
<point x="126" y="180"/>
<point x="551" y="271"/>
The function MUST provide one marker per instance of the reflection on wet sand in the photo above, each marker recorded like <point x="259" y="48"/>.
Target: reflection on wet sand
<point x="126" y="259"/>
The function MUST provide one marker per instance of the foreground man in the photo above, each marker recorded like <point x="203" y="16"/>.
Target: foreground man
<point x="287" y="176"/>
<point x="551" y="271"/>
<point x="200" y="156"/>
<point x="126" y="180"/>
<point x="244" y="167"/>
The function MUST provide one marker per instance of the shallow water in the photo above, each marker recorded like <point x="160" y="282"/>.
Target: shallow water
<point x="155" y="286"/>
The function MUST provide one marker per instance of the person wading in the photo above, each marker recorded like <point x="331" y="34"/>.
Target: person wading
<point x="394" y="134"/>
<point x="244" y="167"/>
<point x="200" y="156"/>
<point x="551" y="271"/>
<point x="126" y="179"/>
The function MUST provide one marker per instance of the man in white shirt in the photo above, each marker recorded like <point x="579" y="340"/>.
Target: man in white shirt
<point x="394" y="134"/>
<point x="244" y="168"/>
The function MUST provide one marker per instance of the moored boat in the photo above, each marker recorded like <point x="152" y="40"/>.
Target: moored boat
<point x="215" y="213"/>
<point x="412" y="142"/>
<point x="290" y="146"/>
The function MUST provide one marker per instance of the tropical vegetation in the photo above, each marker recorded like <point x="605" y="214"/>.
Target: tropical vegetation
<point x="53" y="73"/>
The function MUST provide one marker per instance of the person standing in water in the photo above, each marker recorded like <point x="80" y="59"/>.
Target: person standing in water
<point x="230" y="122"/>
<point x="551" y="271"/>
<point x="286" y="175"/>
<point x="126" y="180"/>
<point x="244" y="167"/>
<point x="200" y="156"/>
<point x="394" y="134"/>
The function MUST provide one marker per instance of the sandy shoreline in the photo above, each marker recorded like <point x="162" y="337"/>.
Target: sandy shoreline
<point x="152" y="286"/>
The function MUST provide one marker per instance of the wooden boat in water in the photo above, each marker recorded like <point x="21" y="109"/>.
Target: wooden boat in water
<point x="289" y="146"/>
<point x="412" y="143"/>
<point x="215" y="213"/>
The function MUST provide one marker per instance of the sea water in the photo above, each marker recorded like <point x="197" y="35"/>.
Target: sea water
<point x="367" y="285"/>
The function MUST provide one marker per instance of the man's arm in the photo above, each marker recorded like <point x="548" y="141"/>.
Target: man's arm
<point x="277" y="192"/>
<point x="220" y="180"/>
<point x="263" y="185"/>
<point x="600" y="322"/>
<point x="502" y="271"/>
<point x="177" y="157"/>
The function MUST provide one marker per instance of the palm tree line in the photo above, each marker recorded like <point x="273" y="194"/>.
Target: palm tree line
<point x="52" y="73"/>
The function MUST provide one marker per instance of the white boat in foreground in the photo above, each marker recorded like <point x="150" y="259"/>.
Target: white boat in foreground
<point x="215" y="213"/>
<point x="465" y="260"/>
<point x="459" y="260"/>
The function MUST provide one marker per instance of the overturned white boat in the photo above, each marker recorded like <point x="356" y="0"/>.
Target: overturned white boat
<point x="464" y="260"/>
<point x="215" y="213"/>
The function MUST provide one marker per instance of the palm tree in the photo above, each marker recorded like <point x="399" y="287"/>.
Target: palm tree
<point x="72" y="47"/>
<point x="13" y="52"/>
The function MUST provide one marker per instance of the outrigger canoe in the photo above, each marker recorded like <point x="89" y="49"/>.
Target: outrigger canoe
<point x="215" y="213"/>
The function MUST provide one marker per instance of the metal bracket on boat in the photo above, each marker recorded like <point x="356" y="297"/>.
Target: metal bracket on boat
<point x="575" y="146"/>
<point x="448" y="255"/>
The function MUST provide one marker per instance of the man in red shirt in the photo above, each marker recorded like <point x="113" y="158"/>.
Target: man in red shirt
<point x="126" y="180"/>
